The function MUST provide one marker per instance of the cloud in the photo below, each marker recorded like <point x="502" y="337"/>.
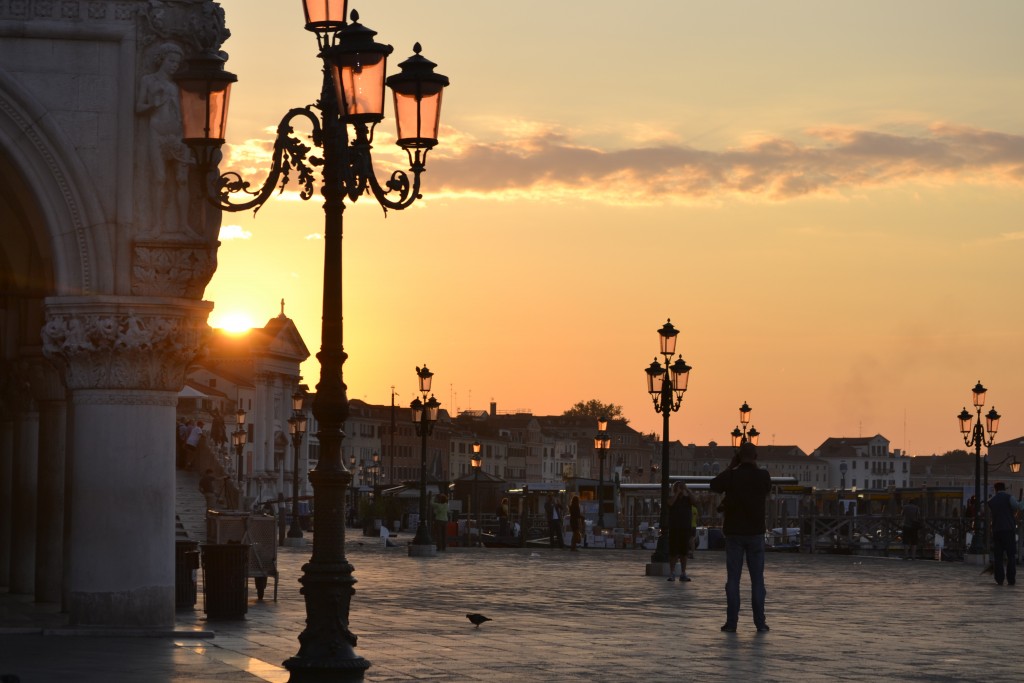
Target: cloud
<point x="233" y="232"/>
<point x="540" y="162"/>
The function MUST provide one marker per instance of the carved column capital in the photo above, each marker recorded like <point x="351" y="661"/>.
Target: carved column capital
<point x="123" y="342"/>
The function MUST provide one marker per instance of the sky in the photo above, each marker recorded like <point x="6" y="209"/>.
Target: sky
<point x="824" y="198"/>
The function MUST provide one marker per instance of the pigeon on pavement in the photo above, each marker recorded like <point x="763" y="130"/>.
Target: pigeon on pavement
<point x="477" y="619"/>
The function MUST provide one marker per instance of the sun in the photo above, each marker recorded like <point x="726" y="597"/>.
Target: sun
<point x="233" y="322"/>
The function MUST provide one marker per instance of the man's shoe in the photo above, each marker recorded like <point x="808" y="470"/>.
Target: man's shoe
<point x="684" y="577"/>
<point x="763" y="628"/>
<point x="729" y="628"/>
<point x="671" y="578"/>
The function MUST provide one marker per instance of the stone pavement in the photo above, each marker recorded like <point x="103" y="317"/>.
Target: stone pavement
<point x="588" y="616"/>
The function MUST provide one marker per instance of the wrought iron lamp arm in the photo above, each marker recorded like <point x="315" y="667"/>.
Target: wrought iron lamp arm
<point x="364" y="177"/>
<point x="290" y="154"/>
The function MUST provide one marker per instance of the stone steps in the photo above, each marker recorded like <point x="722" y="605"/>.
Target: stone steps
<point x="189" y="508"/>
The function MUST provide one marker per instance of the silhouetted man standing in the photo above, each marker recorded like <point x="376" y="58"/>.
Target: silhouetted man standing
<point x="1004" y="527"/>
<point x="745" y="487"/>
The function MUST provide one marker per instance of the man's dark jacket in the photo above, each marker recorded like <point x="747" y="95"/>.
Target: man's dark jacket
<point x="745" y="489"/>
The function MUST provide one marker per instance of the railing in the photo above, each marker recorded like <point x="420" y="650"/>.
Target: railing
<point x="882" y="535"/>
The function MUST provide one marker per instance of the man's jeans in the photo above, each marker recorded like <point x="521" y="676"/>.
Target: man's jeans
<point x="752" y="547"/>
<point x="1004" y="554"/>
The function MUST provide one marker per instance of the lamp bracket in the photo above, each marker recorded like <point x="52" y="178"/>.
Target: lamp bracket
<point x="290" y="154"/>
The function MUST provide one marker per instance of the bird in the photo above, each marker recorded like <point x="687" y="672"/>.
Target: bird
<point x="478" y="619"/>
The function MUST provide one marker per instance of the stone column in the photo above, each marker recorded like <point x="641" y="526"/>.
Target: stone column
<point x="49" y="394"/>
<point x="123" y="360"/>
<point x="6" y="510"/>
<point x="25" y="472"/>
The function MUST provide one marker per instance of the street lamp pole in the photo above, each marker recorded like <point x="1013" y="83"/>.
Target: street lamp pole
<point x="602" y="443"/>
<point x="424" y="416"/>
<point x="296" y="427"/>
<point x="239" y="437"/>
<point x="975" y="436"/>
<point x="476" y="462"/>
<point x="350" y="105"/>
<point x="666" y="385"/>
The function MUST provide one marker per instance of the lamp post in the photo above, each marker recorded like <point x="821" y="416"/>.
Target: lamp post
<point x="424" y="416"/>
<point x="975" y="436"/>
<point x="297" y="428"/>
<point x="351" y="103"/>
<point x="602" y="442"/>
<point x="742" y="436"/>
<point x="376" y="471"/>
<point x="476" y="461"/>
<point x="666" y="385"/>
<point x="239" y="437"/>
<point x="842" y="475"/>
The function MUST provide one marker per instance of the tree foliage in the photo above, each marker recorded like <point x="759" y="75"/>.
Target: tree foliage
<point x="596" y="409"/>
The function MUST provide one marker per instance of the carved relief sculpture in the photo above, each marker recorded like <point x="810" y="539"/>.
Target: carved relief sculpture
<point x="175" y="250"/>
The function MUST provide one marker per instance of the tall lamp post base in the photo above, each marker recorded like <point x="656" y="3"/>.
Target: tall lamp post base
<point x="422" y="550"/>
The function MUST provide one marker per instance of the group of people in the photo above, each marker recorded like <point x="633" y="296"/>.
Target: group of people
<point x="189" y="435"/>
<point x="555" y="514"/>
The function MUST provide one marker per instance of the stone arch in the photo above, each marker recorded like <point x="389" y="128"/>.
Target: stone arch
<point x="47" y="186"/>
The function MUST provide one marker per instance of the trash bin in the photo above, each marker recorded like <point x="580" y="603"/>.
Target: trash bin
<point x="186" y="562"/>
<point x="225" y="580"/>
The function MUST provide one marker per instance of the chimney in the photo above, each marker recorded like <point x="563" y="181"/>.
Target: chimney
<point x="494" y="409"/>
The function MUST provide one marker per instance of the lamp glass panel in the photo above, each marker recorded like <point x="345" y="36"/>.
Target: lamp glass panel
<point x="753" y="435"/>
<point x="668" y="341"/>
<point x="655" y="373"/>
<point x="418" y="117"/>
<point x="1015" y="467"/>
<point x="240" y="417"/>
<point x="992" y="421"/>
<point x="680" y="376"/>
<point x="324" y="12"/>
<point x="359" y="84"/>
<point x="979" y="395"/>
<point x="300" y="422"/>
<point x="737" y="438"/>
<point x="965" y="421"/>
<point x="204" y="109"/>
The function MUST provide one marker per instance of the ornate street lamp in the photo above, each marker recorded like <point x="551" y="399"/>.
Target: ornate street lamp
<point x="239" y="437"/>
<point x="342" y="122"/>
<point x="376" y="471"/>
<point x="476" y="461"/>
<point x="602" y="442"/>
<point x="297" y="428"/>
<point x="975" y="436"/>
<point x="424" y="416"/>
<point x="741" y="436"/>
<point x="666" y="385"/>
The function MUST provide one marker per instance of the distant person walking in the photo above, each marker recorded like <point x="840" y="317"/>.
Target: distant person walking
<point x="503" y="513"/>
<point x="745" y="487"/>
<point x="1005" y="509"/>
<point x="575" y="522"/>
<point x="441" y="521"/>
<point x="208" y="487"/>
<point x="911" y="530"/>
<point x="680" y="529"/>
<point x="553" y="512"/>
<point x="195" y="434"/>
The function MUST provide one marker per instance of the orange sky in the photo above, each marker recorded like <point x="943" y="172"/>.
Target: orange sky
<point x="825" y="199"/>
